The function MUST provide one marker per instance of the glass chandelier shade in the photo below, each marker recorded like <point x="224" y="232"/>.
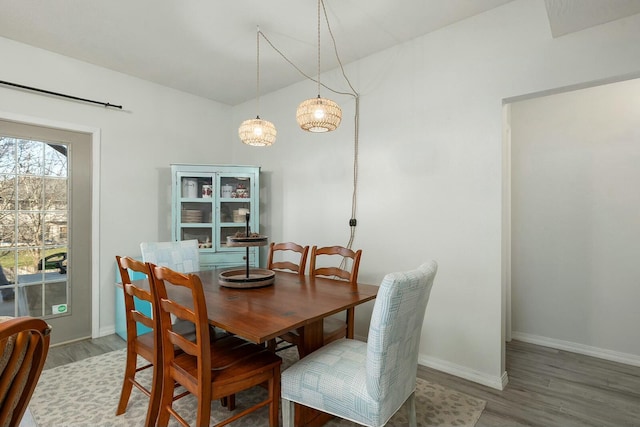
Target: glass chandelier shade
<point x="257" y="132"/>
<point x="318" y="114"/>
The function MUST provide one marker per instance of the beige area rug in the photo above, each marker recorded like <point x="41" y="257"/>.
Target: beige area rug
<point x="86" y="393"/>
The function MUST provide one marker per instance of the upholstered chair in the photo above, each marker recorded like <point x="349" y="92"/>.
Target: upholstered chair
<point x="367" y="382"/>
<point x="182" y="256"/>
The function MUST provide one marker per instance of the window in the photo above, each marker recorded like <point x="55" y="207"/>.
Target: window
<point x="34" y="201"/>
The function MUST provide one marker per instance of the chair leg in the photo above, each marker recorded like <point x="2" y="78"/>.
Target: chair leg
<point x="203" y="414"/>
<point x="166" y="399"/>
<point x="127" y="385"/>
<point x="412" y="409"/>
<point x="229" y="402"/>
<point x="287" y="413"/>
<point x="154" y="399"/>
<point x="274" y="395"/>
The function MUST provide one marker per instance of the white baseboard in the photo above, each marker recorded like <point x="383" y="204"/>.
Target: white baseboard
<point x="109" y="330"/>
<point x="499" y="383"/>
<point x="601" y="353"/>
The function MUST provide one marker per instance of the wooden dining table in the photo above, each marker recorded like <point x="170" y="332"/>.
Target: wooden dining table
<point x="293" y="301"/>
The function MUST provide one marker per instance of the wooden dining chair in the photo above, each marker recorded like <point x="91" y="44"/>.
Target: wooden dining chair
<point x="333" y="328"/>
<point x="284" y="264"/>
<point x="24" y="344"/>
<point x="145" y="345"/>
<point x="276" y="261"/>
<point x="207" y="369"/>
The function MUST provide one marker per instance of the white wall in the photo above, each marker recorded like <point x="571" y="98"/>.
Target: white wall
<point x="430" y="157"/>
<point x="575" y="205"/>
<point x="430" y="177"/>
<point x="158" y="126"/>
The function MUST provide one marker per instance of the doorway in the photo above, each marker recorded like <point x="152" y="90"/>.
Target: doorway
<point x="573" y="242"/>
<point x="45" y="227"/>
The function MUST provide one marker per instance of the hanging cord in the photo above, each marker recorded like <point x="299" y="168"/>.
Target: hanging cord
<point x="354" y="94"/>
<point x="305" y="75"/>
<point x="319" y="1"/>
<point x="354" y="195"/>
<point x="335" y="49"/>
<point x="257" y="72"/>
<point x="356" y="136"/>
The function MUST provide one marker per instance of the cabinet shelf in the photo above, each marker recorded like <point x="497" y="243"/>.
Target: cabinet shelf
<point x="197" y="200"/>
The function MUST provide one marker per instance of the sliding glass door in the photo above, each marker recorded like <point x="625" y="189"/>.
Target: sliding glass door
<point x="41" y="233"/>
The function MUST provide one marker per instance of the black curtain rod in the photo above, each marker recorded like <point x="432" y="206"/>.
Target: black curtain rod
<point x="48" y="92"/>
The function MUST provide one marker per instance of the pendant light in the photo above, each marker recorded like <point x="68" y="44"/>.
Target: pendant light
<point x="257" y="132"/>
<point x="319" y="114"/>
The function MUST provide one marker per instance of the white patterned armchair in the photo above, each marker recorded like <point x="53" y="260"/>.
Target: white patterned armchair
<point x="368" y="382"/>
<point x="182" y="256"/>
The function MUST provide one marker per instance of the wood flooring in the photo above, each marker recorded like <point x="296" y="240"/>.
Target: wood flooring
<point x="547" y="387"/>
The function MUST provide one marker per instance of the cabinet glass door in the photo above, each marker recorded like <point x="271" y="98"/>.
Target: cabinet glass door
<point x="235" y="192"/>
<point x="195" y="215"/>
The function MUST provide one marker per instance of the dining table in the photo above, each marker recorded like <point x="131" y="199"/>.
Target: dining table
<point x="291" y="302"/>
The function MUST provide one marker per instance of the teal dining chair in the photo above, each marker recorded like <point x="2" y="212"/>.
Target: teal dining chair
<point x="367" y="382"/>
<point x="182" y="256"/>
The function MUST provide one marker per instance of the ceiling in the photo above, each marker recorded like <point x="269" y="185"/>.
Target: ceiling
<point x="208" y="47"/>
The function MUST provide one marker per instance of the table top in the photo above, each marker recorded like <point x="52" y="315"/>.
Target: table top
<point x="293" y="301"/>
<point x="260" y="314"/>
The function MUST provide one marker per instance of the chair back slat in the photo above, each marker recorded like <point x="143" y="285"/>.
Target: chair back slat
<point x="333" y="272"/>
<point x="178" y="310"/>
<point x="183" y="343"/>
<point x="134" y="291"/>
<point x="137" y="292"/>
<point x="143" y="319"/>
<point x="131" y="291"/>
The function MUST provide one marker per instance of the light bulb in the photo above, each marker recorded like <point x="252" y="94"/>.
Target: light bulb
<point x="319" y="113"/>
